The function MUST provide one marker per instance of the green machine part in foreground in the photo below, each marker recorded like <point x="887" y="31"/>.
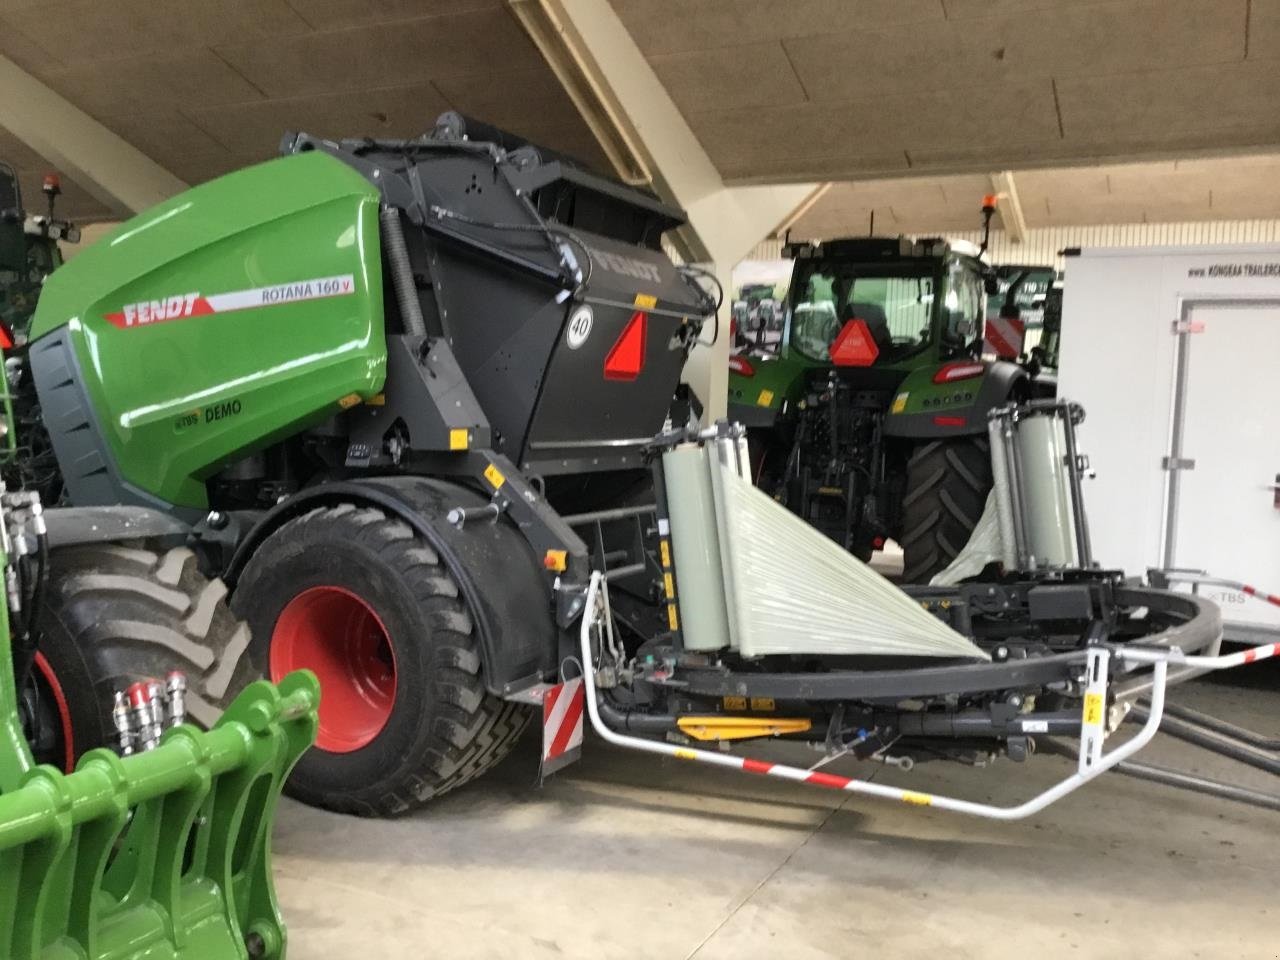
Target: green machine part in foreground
<point x="165" y="854"/>
<point x="294" y="240"/>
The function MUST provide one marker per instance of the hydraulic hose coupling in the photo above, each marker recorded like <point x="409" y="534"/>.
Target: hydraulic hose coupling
<point x="176" y="693"/>
<point x="141" y="713"/>
<point x="120" y="717"/>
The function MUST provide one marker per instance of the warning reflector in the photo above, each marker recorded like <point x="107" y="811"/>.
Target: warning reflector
<point x="626" y="358"/>
<point x="1005" y="337"/>
<point x="562" y="708"/>
<point x="854" y="346"/>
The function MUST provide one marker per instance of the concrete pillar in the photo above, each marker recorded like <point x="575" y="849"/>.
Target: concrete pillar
<point x="601" y="66"/>
<point x="112" y="170"/>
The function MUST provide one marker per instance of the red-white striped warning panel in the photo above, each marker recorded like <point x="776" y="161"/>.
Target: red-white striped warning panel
<point x="180" y="306"/>
<point x="562" y="707"/>
<point x="1005" y="336"/>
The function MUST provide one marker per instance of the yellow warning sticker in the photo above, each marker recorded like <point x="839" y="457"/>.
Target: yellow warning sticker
<point x="457" y="439"/>
<point x="686" y="754"/>
<point x="765" y="398"/>
<point x="646" y="300"/>
<point x="899" y="403"/>
<point x="349" y="401"/>
<point x="669" y="584"/>
<point x="919" y="799"/>
<point x="673" y="621"/>
<point x="763" y="703"/>
<point x="377" y="400"/>
<point x="494" y="476"/>
<point x="1092" y="709"/>
<point x="665" y="549"/>
<point x="734" y="703"/>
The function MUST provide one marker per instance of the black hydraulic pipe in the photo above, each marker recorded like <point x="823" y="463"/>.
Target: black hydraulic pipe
<point x="1218" y="743"/>
<point x="1186" y="781"/>
<point x="633" y="720"/>
<point x="974" y="723"/>
<point x="397" y="254"/>
<point x="1251" y="737"/>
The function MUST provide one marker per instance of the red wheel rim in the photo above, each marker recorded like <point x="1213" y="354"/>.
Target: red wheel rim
<point x="337" y="635"/>
<point x="64" y="712"/>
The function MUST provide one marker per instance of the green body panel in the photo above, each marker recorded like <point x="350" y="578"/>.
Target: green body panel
<point x="779" y="379"/>
<point x="232" y="315"/>
<point x="919" y="394"/>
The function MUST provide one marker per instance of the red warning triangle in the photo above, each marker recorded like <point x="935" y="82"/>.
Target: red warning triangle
<point x="854" y="346"/>
<point x="626" y="359"/>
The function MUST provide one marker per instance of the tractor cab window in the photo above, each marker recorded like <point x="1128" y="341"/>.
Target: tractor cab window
<point x="962" y="307"/>
<point x="894" y="301"/>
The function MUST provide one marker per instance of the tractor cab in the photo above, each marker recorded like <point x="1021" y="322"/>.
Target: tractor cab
<point x="866" y="311"/>
<point x="873" y="302"/>
<point x="29" y="252"/>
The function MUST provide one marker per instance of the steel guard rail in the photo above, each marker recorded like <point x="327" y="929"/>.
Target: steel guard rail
<point x="165" y="854"/>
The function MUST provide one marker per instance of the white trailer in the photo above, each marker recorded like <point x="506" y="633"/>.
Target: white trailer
<point x="1174" y="354"/>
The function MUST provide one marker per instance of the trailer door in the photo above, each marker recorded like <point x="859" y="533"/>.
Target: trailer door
<point x="1228" y="511"/>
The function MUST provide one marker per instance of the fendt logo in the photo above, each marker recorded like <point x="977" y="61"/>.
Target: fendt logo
<point x="182" y="305"/>
<point x="627" y="266"/>
<point x="156" y="311"/>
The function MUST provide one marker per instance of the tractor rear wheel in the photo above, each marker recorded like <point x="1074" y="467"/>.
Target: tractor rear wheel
<point x="359" y="598"/>
<point x="947" y="486"/>
<point x="113" y="615"/>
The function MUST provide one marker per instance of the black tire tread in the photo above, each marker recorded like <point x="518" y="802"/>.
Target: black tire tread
<point x="947" y="486"/>
<point x="473" y="730"/>
<point x="136" y="612"/>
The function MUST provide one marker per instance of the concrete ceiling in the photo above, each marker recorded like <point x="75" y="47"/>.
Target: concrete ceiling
<point x="800" y="90"/>
<point x="206" y="86"/>
<point x="916" y="100"/>
<point x="1236" y="188"/>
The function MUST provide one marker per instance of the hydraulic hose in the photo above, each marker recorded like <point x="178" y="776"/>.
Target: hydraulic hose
<point x="397" y="254"/>
<point x="633" y="720"/>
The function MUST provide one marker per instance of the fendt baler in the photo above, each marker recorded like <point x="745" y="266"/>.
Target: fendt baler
<point x="419" y="402"/>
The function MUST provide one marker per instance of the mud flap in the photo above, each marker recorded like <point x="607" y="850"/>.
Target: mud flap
<point x="562" y="710"/>
<point x="166" y="853"/>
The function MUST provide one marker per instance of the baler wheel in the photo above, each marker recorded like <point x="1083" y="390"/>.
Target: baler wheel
<point x="116" y="614"/>
<point x="947" y="486"/>
<point x="363" y="601"/>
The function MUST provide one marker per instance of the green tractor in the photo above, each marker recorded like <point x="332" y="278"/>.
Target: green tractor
<point x="869" y="419"/>
<point x="29" y="252"/>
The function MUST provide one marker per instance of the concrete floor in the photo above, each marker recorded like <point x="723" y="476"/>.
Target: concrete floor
<point x="631" y="856"/>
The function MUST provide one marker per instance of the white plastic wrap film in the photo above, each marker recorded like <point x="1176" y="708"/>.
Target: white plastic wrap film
<point x="795" y="591"/>
<point x="695" y="543"/>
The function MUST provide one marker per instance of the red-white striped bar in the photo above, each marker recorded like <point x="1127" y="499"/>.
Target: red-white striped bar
<point x="1005" y="336"/>
<point x="816" y="778"/>
<point x="1257" y="594"/>
<point x="562" y="707"/>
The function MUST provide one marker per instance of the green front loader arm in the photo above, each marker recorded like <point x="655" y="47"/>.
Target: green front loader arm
<point x="163" y="855"/>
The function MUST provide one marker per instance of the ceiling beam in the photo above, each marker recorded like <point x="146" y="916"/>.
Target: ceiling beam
<point x="1010" y="209"/>
<point x="112" y="170"/>
<point x="646" y="137"/>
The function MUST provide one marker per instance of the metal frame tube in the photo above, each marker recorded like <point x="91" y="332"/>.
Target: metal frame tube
<point x="818" y="778"/>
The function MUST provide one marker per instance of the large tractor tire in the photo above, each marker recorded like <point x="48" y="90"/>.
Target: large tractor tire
<point x="113" y="615"/>
<point x="359" y="598"/>
<point x="947" y="486"/>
